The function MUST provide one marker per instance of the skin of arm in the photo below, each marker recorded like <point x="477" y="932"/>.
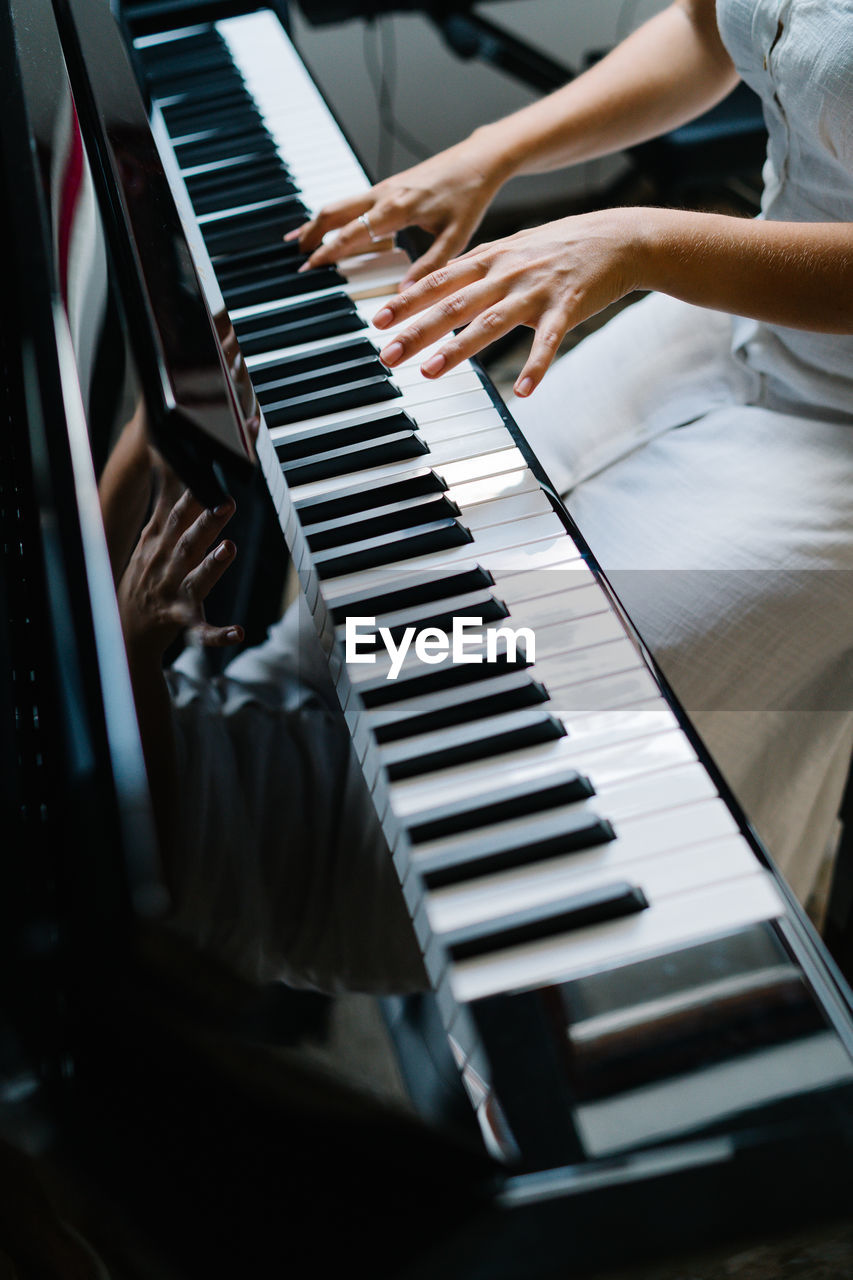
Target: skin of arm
<point x="551" y="278"/>
<point x="670" y="70"/>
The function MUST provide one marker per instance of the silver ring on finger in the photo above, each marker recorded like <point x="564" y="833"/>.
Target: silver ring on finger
<point x="365" y="222"/>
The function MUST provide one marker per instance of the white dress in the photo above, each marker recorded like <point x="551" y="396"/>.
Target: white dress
<point x="708" y="461"/>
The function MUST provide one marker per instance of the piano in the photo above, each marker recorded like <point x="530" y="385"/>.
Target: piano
<point x="629" y="1019"/>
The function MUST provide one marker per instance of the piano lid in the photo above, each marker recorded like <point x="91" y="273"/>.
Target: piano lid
<point x="201" y="408"/>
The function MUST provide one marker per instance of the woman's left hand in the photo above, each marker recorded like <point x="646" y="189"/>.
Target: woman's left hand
<point x="549" y="278"/>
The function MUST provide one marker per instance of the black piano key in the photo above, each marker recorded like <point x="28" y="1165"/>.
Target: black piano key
<point x="180" y="105"/>
<point x="353" y="498"/>
<point x="320" y="368"/>
<point x="188" y="72"/>
<point x="182" y="112"/>
<point x="242" y="229"/>
<point x="412" y="592"/>
<point x="398" y="447"/>
<point x="336" y="435"/>
<point x="485" y="853"/>
<point x="290" y="366"/>
<point x="237" y="122"/>
<point x="415" y="681"/>
<point x="440" y="710"/>
<point x="350" y="395"/>
<point x="272" y="288"/>
<point x="237" y="171"/>
<point x="578" y="911"/>
<point x="183" y="53"/>
<point x="511" y="800"/>
<point x="315" y="281"/>
<point x="313" y="381"/>
<point x="246" y="142"/>
<point x="420" y="540"/>
<point x="200" y="38"/>
<point x="299" y="322"/>
<point x="253" y="269"/>
<point x="242" y="193"/>
<point x="205" y="82"/>
<point x="478" y="741"/>
<point x="482" y="605"/>
<point x="384" y="519"/>
<point x="234" y="268"/>
<point x="176" y="57"/>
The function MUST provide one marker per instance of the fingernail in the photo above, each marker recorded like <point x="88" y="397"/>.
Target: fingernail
<point x="391" y="353"/>
<point x="383" y="317"/>
<point x="434" y="365"/>
<point x="523" y="387"/>
<point x="222" y="508"/>
<point x="234" y="633"/>
<point x="222" y="552"/>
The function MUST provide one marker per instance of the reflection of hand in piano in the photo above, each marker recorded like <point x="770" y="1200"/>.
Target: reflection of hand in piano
<point x="161" y="593"/>
<point x="171" y="572"/>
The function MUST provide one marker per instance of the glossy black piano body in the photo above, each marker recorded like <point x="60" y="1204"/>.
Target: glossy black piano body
<point x="628" y="1112"/>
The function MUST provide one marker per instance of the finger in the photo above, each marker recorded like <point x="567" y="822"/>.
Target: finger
<point x="311" y="233"/>
<point x="191" y="547"/>
<point x="351" y="240"/>
<point x="442" y="284"/>
<point x="449" y="313"/>
<point x="440" y="252"/>
<point x="549" y="333"/>
<point x="204" y="633"/>
<point x="493" y="323"/>
<point x="199" y="582"/>
<point x="171" y="493"/>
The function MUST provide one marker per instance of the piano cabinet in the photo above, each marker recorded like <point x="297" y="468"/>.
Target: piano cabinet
<point x="631" y="1052"/>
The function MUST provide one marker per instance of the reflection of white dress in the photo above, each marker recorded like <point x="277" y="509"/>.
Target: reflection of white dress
<point x="709" y="464"/>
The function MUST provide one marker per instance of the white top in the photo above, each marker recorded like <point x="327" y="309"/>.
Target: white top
<point x="797" y="55"/>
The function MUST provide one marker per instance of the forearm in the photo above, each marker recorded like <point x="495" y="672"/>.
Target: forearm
<point x="668" y="71"/>
<point x="799" y="275"/>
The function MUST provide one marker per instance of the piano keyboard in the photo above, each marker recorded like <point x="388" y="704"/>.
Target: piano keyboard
<point x="549" y="819"/>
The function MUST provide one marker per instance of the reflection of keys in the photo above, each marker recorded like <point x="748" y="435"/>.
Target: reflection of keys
<point x="547" y="813"/>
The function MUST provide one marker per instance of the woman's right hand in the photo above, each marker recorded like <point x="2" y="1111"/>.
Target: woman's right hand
<point x="445" y="196"/>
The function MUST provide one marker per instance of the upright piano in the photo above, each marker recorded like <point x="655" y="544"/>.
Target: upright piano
<point x="631" y="1041"/>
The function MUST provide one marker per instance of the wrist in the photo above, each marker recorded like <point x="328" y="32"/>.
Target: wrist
<point x="492" y="154"/>
<point x="656" y="247"/>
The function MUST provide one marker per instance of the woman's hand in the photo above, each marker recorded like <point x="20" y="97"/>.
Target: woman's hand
<point x="446" y="196"/>
<point x="549" y="278"/>
<point x="171" y="572"/>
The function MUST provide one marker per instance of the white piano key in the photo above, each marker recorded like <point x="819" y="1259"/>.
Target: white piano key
<point x="455" y="396"/>
<point x="635" y="840"/>
<point x="676" y="921"/>
<point x="580" y="697"/>
<point x="469" y="460"/>
<point x="660" y="876"/>
<point x="641" y="792"/>
<point x="491" y="487"/>
<point x="486" y="514"/>
<point x="510" y="542"/>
